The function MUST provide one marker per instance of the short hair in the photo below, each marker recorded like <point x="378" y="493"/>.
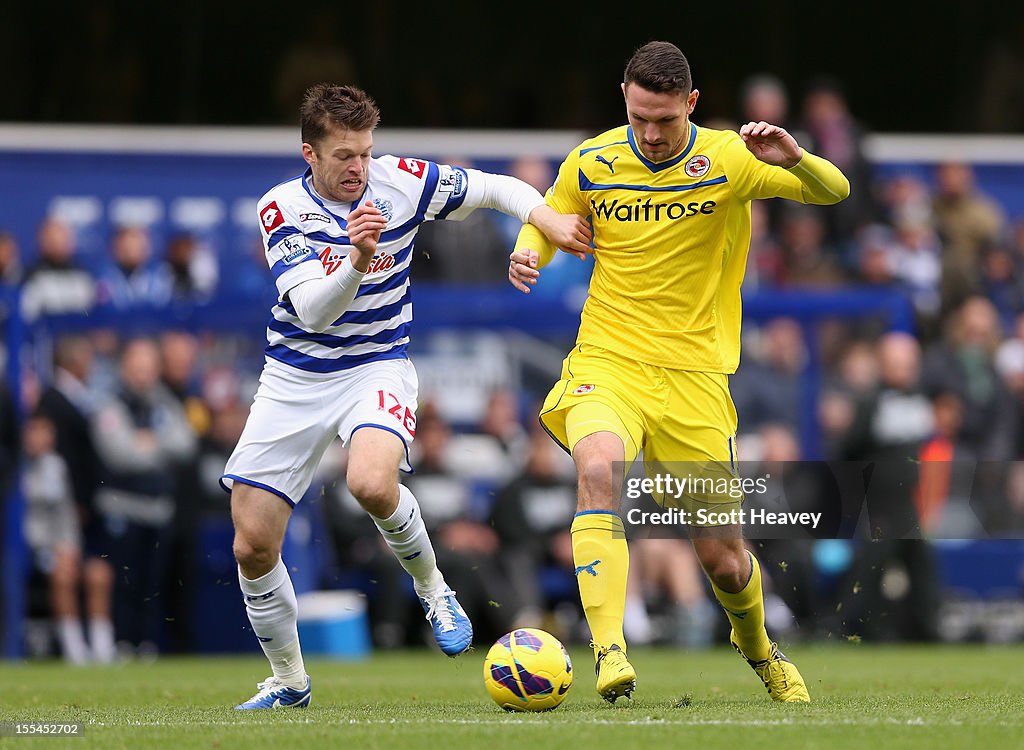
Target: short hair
<point x="347" y="107"/>
<point x="659" y="67"/>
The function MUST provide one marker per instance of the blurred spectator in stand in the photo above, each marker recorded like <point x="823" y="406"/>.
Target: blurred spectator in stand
<point x="55" y="284"/>
<point x="531" y="517"/>
<point x="765" y="264"/>
<point x="791" y="598"/>
<point x="10" y="261"/>
<point x="905" y="198"/>
<point x="130" y="281"/>
<point x="766" y="388"/>
<point x="68" y="403"/>
<point x="142" y="437"/>
<point x="834" y="135"/>
<point x="470" y="251"/>
<point x="917" y="266"/>
<point x="494" y="451"/>
<point x="763" y="96"/>
<point x="188" y="272"/>
<point x="1009" y="362"/>
<point x="807" y="260"/>
<point x="1001" y="282"/>
<point x="874" y="256"/>
<point x="53" y="534"/>
<point x="856" y="377"/>
<point x="968" y="222"/>
<point x="888" y="431"/>
<point x="179" y="353"/>
<point x="664" y="571"/>
<point x="964" y="364"/>
<point x="941" y="455"/>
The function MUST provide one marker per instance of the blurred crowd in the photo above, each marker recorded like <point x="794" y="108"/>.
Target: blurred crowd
<point x="125" y="435"/>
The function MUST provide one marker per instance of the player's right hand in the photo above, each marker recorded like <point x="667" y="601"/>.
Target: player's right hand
<point x="364" y="227"/>
<point x="569" y="232"/>
<point x="522" y="269"/>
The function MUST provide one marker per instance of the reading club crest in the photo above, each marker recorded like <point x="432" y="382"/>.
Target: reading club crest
<point x="697" y="166"/>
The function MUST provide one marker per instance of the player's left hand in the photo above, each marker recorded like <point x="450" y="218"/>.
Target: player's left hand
<point x="771" y="144"/>
<point x="569" y="232"/>
<point x="522" y="269"/>
<point x="365" y="224"/>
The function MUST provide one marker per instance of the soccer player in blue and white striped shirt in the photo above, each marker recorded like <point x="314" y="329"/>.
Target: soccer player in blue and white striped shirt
<point x="339" y="242"/>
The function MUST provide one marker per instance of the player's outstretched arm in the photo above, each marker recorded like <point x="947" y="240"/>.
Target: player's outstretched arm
<point x="821" y="181"/>
<point x="568" y="232"/>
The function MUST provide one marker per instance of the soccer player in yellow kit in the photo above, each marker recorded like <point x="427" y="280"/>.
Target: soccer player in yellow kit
<point x="669" y="203"/>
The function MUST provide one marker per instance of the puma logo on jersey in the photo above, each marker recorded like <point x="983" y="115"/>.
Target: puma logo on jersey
<point x="607" y="163"/>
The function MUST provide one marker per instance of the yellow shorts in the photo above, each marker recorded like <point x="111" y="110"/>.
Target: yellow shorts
<point x="684" y="422"/>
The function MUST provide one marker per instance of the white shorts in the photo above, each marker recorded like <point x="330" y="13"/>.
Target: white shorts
<point x="296" y="415"/>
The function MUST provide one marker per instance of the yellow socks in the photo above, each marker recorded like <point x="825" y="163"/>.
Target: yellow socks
<point x="602" y="561"/>
<point x="745" y="610"/>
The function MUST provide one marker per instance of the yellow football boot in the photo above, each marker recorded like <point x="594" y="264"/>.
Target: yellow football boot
<point x="778" y="674"/>
<point x="615" y="675"/>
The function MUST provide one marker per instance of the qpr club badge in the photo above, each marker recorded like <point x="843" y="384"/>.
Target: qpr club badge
<point x="385" y="206"/>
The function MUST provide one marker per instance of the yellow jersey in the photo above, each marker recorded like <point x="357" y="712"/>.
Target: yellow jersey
<point x="671" y="240"/>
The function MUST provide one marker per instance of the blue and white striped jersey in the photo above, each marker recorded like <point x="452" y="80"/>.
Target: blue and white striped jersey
<point x="306" y="237"/>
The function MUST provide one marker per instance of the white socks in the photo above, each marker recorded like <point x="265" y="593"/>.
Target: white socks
<point x="101" y="637"/>
<point x="72" y="640"/>
<point x="273" y="613"/>
<point x="407" y="537"/>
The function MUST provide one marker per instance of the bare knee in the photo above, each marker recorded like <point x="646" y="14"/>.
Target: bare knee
<point x="97" y="573"/>
<point x="727" y="565"/>
<point x="66" y="569"/>
<point x="254" y="554"/>
<point x="260" y="520"/>
<point x="376" y="490"/>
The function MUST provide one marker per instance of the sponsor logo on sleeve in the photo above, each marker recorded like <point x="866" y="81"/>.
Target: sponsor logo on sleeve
<point x="454" y="182"/>
<point x="294" y="250"/>
<point x="271" y="217"/>
<point x="416" y="167"/>
<point x="315" y="217"/>
<point x="697" y="166"/>
<point x="580" y="390"/>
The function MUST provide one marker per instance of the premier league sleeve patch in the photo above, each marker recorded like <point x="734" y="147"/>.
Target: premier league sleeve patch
<point x="294" y="250"/>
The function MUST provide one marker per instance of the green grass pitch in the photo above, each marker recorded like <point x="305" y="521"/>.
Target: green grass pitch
<point x="863" y="697"/>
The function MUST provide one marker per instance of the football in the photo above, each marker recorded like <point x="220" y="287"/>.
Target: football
<point x="528" y="670"/>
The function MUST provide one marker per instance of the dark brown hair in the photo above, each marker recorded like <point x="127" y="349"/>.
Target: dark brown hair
<point x="347" y="107"/>
<point x="659" y="67"/>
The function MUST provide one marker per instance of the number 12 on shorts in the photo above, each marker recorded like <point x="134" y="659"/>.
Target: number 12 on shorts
<point x="389" y="402"/>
